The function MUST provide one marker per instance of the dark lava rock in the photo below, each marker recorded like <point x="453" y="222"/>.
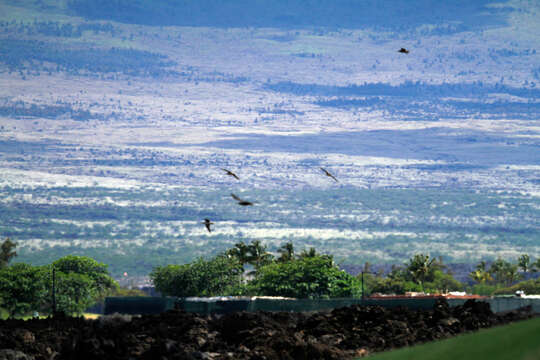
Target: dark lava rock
<point x="343" y="333"/>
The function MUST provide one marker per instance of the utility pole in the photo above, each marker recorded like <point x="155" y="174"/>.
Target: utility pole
<point x="363" y="286"/>
<point x="54" y="290"/>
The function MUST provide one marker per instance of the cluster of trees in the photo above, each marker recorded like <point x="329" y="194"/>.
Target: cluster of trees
<point x="523" y="109"/>
<point x="249" y="269"/>
<point x="33" y="55"/>
<point x="70" y="284"/>
<point x="55" y="28"/>
<point x="420" y="274"/>
<point x="19" y="109"/>
<point x="408" y="89"/>
<point x="500" y="276"/>
<point x="73" y="283"/>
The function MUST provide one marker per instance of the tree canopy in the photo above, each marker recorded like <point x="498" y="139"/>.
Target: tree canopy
<point x="80" y="283"/>
<point x="23" y="288"/>
<point x="7" y="252"/>
<point x="217" y="276"/>
<point x="306" y="277"/>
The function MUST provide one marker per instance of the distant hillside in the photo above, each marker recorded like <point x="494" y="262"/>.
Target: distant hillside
<point x="293" y="13"/>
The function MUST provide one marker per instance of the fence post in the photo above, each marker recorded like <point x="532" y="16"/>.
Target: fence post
<point x="54" y="290"/>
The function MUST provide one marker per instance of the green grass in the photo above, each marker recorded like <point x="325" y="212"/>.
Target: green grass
<point x="517" y="341"/>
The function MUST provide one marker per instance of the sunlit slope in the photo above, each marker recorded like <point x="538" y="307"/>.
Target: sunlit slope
<point x="115" y="127"/>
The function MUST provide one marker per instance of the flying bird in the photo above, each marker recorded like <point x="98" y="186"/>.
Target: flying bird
<point x="207" y="223"/>
<point x="403" y="51"/>
<point x="328" y="174"/>
<point x="240" y="201"/>
<point x="230" y="173"/>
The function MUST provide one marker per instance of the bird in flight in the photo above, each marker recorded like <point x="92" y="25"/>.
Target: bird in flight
<point x="230" y="173"/>
<point x="207" y="223"/>
<point x="240" y="201"/>
<point x="328" y="174"/>
<point x="403" y="51"/>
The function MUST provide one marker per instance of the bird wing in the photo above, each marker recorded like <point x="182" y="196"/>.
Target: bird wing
<point x="207" y="224"/>
<point x="328" y="174"/>
<point x="229" y="172"/>
<point x="236" y="197"/>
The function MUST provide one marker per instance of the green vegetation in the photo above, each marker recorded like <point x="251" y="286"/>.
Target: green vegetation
<point x="218" y="276"/>
<point x="420" y="274"/>
<point x="23" y="288"/>
<point x="309" y="275"/>
<point x="501" y="276"/>
<point x="72" y="284"/>
<point x="517" y="341"/>
<point x="7" y="252"/>
<point x="529" y="287"/>
<point x="314" y="277"/>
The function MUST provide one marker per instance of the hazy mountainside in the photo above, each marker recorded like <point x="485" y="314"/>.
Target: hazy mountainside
<point x="350" y="14"/>
<point x="117" y="117"/>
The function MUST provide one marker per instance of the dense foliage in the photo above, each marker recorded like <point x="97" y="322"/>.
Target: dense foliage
<point x="7" y="252"/>
<point x="79" y="282"/>
<point x="217" y="276"/>
<point x="84" y="269"/>
<point x="308" y="277"/>
<point x="529" y="287"/>
<point x="23" y="288"/>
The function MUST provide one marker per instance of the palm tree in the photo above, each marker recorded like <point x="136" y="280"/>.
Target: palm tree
<point x="504" y="272"/>
<point x="536" y="266"/>
<point x="257" y="254"/>
<point x="308" y="253"/>
<point x="524" y="263"/>
<point x="286" y="252"/>
<point x="7" y="252"/>
<point x="240" y="251"/>
<point x="421" y="267"/>
<point x="480" y="274"/>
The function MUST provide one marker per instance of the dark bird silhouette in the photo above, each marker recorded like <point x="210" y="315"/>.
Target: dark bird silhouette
<point x="403" y="51"/>
<point x="207" y="223"/>
<point x="230" y="173"/>
<point x="240" y="201"/>
<point x="328" y="174"/>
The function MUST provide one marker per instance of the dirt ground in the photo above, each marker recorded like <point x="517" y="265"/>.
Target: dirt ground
<point x="343" y="333"/>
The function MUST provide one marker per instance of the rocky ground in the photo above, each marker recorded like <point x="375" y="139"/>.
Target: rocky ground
<point x="344" y="333"/>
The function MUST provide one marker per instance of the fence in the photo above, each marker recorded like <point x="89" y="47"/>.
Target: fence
<point x="138" y="305"/>
<point x="153" y="305"/>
